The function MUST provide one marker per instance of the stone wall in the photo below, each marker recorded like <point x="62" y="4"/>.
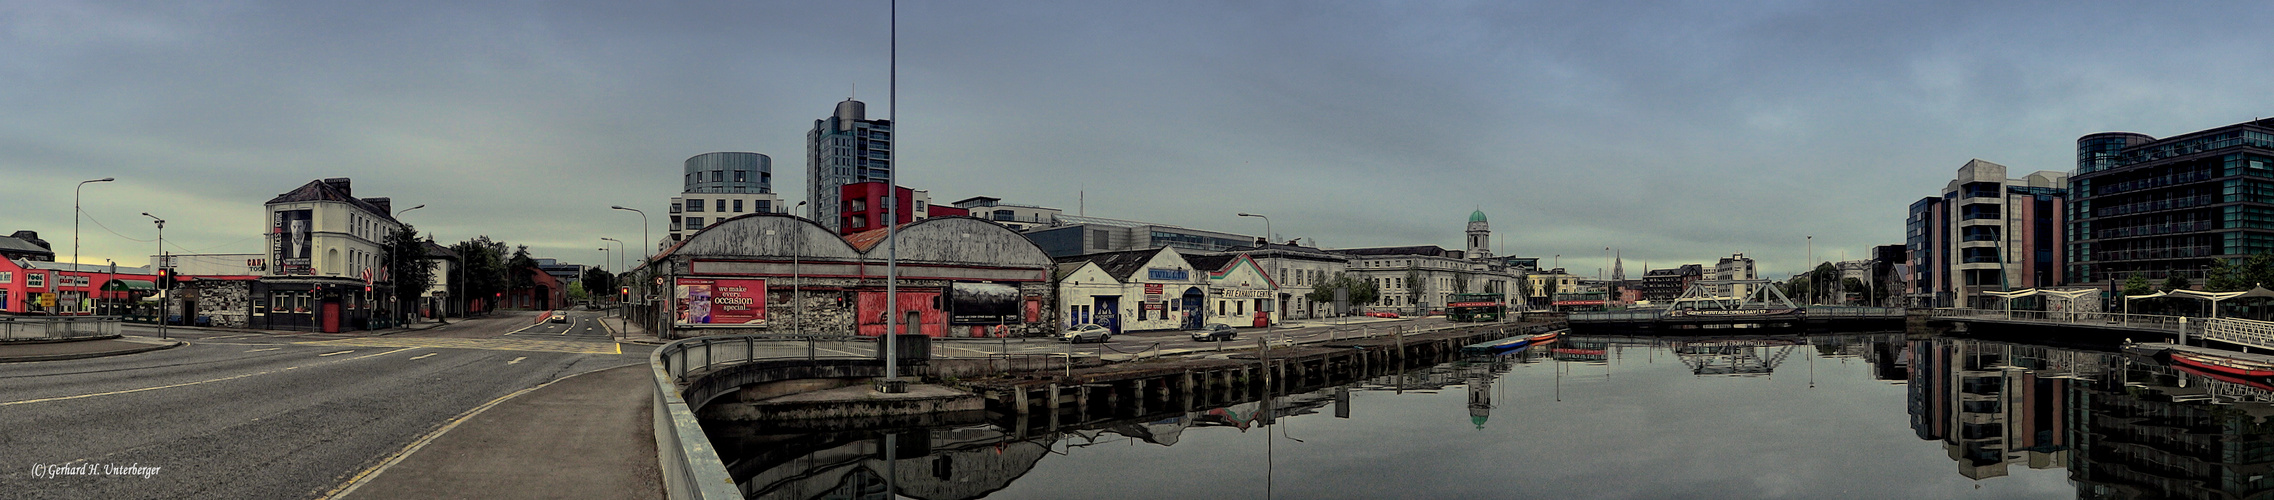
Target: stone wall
<point x="226" y="303"/>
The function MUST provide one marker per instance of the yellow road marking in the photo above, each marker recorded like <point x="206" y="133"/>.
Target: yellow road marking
<point x="424" y="356"/>
<point x="186" y="384"/>
<point x="268" y="349"/>
<point x="333" y="354"/>
<point x="517" y="360"/>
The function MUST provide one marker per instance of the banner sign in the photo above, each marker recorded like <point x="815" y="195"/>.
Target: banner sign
<point x="290" y="229"/>
<point x="1153" y="289"/>
<point x="1156" y="305"/>
<point x="1161" y="274"/>
<point x="1243" y="293"/>
<point x="983" y="304"/>
<point x="720" y="301"/>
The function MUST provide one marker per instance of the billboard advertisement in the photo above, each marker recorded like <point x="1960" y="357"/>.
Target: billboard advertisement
<point x="983" y="304"/>
<point x="290" y="229"/>
<point x="720" y="301"/>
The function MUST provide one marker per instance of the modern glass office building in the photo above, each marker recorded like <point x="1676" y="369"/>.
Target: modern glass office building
<point x="2164" y="207"/>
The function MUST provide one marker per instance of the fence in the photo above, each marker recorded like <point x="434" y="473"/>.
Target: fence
<point x="2240" y="332"/>
<point x="31" y="328"/>
<point x="2172" y="324"/>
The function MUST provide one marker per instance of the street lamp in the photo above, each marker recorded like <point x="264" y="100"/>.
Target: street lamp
<point x="408" y="210"/>
<point x="619" y="251"/>
<point x="643" y="261"/>
<point x="75" y="224"/>
<point x="1269" y="276"/>
<point x="797" y="309"/>
<point x="162" y="305"/>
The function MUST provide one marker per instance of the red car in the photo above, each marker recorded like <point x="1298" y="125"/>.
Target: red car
<point x="1383" y="314"/>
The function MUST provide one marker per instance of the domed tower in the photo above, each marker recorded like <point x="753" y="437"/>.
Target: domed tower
<point x="1480" y="236"/>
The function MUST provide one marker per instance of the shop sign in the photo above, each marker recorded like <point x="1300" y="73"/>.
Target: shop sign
<point x="720" y="301"/>
<point x="1243" y="293"/>
<point x="1165" y="274"/>
<point x="1156" y="305"/>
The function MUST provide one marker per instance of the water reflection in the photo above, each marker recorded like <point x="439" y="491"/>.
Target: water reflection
<point x="2014" y="419"/>
<point x="2123" y="426"/>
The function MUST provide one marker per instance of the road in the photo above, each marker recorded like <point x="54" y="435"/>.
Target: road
<point x="253" y="415"/>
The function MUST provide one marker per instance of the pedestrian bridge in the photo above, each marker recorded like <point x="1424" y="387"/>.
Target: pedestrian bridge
<point x="2239" y="332"/>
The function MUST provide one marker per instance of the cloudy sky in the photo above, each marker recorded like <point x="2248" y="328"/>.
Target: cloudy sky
<point x="1675" y="132"/>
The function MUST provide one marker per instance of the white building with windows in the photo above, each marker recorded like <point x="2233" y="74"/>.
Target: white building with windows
<point x="1297" y="269"/>
<point x="1018" y="217"/>
<point x="322" y="229"/>
<point x="720" y="186"/>
<point x="1136" y="290"/>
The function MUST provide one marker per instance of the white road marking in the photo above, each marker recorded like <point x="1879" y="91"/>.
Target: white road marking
<point x="517" y="360"/>
<point x="268" y="349"/>
<point x="233" y="377"/>
<point x="424" y="356"/>
<point x="334" y="354"/>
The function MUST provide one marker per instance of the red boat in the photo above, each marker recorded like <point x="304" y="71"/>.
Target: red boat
<point x="2223" y="365"/>
<point x="1545" y="336"/>
<point x="2260" y="385"/>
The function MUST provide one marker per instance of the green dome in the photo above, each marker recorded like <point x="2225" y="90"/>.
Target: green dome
<point x="1477" y="216"/>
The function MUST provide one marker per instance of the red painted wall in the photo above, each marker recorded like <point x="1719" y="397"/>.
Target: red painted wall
<point x="870" y="312"/>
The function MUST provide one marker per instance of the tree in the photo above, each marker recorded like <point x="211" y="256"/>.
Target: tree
<point x="1413" y="290"/>
<point x="519" y="266"/>
<point x="485" y="270"/>
<point x="2137" y="285"/>
<point x="1855" y="287"/>
<point x="576" y="291"/>
<point x="1361" y="291"/>
<point x="409" y="268"/>
<point x="600" y="283"/>
<point x="2175" y="282"/>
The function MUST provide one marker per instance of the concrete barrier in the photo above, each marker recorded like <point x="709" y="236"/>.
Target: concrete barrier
<point x="691" y="468"/>
<point x="52" y="328"/>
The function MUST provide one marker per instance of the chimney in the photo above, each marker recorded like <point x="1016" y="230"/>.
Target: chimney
<point x="341" y="184"/>
<point x="386" y="206"/>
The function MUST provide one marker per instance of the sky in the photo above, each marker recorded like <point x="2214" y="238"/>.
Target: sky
<point x="1671" y="132"/>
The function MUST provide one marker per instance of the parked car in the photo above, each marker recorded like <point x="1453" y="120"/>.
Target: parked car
<point x="1379" y="314"/>
<point x="1087" y="333"/>
<point x="1215" y="331"/>
<point x="559" y="317"/>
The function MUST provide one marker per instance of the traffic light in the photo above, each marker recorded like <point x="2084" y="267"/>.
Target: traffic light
<point x="165" y="278"/>
<point x="624" y="290"/>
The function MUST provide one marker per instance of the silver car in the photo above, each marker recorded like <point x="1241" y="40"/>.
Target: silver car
<point x="1215" y="331"/>
<point x="1087" y="333"/>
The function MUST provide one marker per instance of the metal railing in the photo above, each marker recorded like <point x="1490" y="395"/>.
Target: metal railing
<point x="2174" y="324"/>
<point x="711" y="352"/>
<point x="36" y="328"/>
<point x="2252" y="333"/>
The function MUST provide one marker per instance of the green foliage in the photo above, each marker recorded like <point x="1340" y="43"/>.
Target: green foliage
<point x="1361" y="291"/>
<point x="2176" y="282"/>
<point x="1413" y="291"/>
<point x="600" y="283"/>
<point x="519" y="266"/>
<point x="408" y="267"/>
<point x="2137" y="285"/>
<point x="2254" y="271"/>
<point x="485" y="270"/>
<point x="576" y="291"/>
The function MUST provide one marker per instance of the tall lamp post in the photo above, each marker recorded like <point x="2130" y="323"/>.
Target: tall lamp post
<point x="620" y="251"/>
<point x="162" y="306"/>
<point x="75" y="226"/>
<point x="394" y="253"/>
<point x="643" y="260"/>
<point x="797" y="304"/>
<point x="1269" y="326"/>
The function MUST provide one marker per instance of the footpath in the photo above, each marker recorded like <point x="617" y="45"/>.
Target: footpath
<point x="590" y="435"/>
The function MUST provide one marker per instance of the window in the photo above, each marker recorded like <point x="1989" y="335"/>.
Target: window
<point x="694" y="223"/>
<point x="718" y="176"/>
<point x="741" y="176"/>
<point x="738" y="203"/>
<point x="695" y="205"/>
<point x="8" y="277"/>
<point x="764" y="206"/>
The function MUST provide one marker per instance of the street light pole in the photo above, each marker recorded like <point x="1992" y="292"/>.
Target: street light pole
<point x="797" y="303"/>
<point x="1269" y="327"/>
<point x="644" y="255"/>
<point x="75" y="227"/>
<point x="162" y="305"/>
<point x="394" y="254"/>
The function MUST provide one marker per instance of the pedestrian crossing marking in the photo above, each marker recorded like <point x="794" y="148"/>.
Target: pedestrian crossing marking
<point x="483" y="344"/>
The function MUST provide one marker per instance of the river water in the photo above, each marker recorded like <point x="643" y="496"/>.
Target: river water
<point x="1848" y="416"/>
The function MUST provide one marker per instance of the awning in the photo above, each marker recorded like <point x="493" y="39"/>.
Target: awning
<point x="116" y="285"/>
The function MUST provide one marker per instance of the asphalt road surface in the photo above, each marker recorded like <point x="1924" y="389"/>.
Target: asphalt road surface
<point x="238" y="415"/>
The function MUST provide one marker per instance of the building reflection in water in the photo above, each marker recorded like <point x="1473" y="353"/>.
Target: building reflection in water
<point x="2124" y="426"/>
